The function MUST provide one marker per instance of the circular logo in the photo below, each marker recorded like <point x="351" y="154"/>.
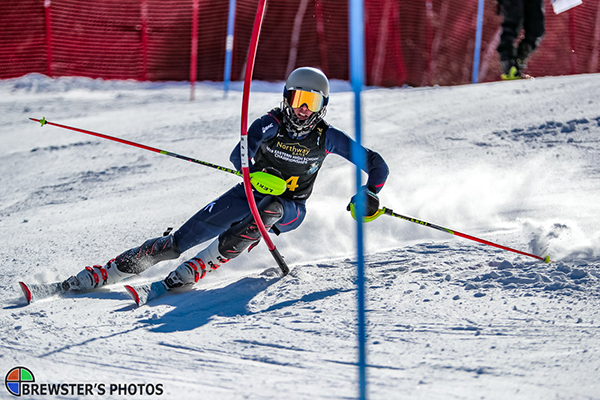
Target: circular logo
<point x="16" y="377"/>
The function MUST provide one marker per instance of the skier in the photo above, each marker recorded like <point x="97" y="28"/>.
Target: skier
<point x="290" y="142"/>
<point x="519" y="14"/>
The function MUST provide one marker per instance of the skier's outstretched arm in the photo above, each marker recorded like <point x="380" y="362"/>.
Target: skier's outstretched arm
<point x="338" y="142"/>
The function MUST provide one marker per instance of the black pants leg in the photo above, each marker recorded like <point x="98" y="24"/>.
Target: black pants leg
<point x="511" y="26"/>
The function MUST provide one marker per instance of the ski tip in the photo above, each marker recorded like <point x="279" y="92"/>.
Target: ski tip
<point x="26" y="292"/>
<point x="133" y="293"/>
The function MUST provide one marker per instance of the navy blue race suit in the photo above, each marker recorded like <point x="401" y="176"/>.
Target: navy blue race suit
<point x="297" y="159"/>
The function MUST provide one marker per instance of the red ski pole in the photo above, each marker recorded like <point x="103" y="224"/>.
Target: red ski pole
<point x="262" y="181"/>
<point x="463" y="235"/>
<point x="141" y="146"/>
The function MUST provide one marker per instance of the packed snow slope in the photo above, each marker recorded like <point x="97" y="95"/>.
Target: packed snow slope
<point x="515" y="163"/>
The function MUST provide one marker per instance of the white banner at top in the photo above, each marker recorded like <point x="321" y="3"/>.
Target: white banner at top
<point x="564" y="5"/>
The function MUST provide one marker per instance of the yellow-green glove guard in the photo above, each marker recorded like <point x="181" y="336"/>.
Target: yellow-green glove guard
<point x="365" y="218"/>
<point x="266" y="183"/>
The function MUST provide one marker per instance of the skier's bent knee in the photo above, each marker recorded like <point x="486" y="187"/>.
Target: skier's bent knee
<point x="227" y="246"/>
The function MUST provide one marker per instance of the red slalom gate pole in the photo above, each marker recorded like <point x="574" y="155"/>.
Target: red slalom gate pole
<point x="244" y="138"/>
<point x="463" y="235"/>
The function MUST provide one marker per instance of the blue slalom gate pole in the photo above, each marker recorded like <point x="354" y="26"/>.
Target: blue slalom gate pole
<point x="477" y="55"/>
<point x="357" y="68"/>
<point x="229" y="45"/>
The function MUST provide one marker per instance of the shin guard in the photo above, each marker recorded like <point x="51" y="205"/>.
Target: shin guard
<point x="139" y="259"/>
<point x="237" y="238"/>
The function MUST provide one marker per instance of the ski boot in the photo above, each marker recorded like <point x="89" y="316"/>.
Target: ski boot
<point x="94" y="277"/>
<point x="196" y="268"/>
<point x="128" y="264"/>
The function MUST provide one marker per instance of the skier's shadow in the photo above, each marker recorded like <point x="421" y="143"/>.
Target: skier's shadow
<point x="196" y="308"/>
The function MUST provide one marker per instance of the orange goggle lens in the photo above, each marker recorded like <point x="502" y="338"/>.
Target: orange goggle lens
<point x="314" y="101"/>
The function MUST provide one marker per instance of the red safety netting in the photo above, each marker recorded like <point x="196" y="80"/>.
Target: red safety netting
<point x="414" y="42"/>
<point x="22" y="38"/>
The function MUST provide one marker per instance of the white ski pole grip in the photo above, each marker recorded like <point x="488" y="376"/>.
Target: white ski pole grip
<point x="244" y="151"/>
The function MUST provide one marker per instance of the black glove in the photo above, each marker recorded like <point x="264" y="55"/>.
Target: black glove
<point x="371" y="203"/>
<point x="273" y="171"/>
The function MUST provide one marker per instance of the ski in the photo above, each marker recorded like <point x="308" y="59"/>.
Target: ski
<point x="39" y="291"/>
<point x="143" y="293"/>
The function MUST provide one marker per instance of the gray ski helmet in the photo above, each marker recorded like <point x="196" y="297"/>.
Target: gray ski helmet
<point x="307" y="79"/>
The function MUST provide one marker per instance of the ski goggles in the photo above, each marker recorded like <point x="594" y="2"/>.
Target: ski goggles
<point x="297" y="98"/>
